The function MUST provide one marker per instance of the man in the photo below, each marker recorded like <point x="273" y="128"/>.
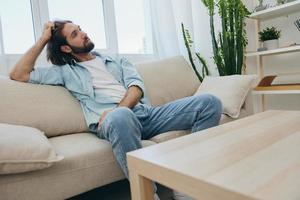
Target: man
<point x="110" y="91"/>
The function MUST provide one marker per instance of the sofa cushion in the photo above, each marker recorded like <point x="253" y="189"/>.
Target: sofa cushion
<point x="89" y="163"/>
<point x="24" y="149"/>
<point x="225" y="118"/>
<point x="51" y="109"/>
<point x="175" y="80"/>
<point x="231" y="90"/>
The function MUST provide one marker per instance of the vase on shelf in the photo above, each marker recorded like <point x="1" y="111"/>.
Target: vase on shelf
<point x="271" y="44"/>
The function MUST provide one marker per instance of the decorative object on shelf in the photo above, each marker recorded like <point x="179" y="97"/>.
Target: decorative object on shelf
<point x="262" y="49"/>
<point x="297" y="24"/>
<point x="267" y="83"/>
<point x="269" y="37"/>
<point x="229" y="44"/>
<point x="188" y="42"/>
<point x="293" y="44"/>
<point x="260" y="6"/>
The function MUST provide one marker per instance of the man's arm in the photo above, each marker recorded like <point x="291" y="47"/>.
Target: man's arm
<point x="21" y="71"/>
<point x="132" y="97"/>
<point x="131" y="76"/>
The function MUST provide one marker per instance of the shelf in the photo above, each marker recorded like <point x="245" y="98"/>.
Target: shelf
<point x="277" y="89"/>
<point x="277" y="11"/>
<point x="265" y="87"/>
<point x="276" y="92"/>
<point x="274" y="51"/>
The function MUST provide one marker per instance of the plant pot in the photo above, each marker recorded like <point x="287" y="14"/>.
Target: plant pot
<point x="271" y="44"/>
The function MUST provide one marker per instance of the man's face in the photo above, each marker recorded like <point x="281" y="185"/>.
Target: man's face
<point x="77" y="39"/>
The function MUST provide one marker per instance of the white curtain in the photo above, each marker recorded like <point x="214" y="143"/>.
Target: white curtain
<point x="167" y="16"/>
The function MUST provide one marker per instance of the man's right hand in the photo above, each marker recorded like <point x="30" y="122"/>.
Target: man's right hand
<point x="22" y="69"/>
<point x="47" y="32"/>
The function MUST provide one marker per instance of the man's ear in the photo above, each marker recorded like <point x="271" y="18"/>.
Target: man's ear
<point x="65" y="49"/>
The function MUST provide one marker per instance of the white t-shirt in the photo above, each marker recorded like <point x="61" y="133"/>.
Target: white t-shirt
<point x="103" y="80"/>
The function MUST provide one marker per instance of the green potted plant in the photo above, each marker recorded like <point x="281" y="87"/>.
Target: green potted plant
<point x="269" y="37"/>
<point x="228" y="44"/>
<point x="188" y="44"/>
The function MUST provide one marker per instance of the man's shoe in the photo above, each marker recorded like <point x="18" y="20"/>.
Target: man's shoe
<point x="180" y="196"/>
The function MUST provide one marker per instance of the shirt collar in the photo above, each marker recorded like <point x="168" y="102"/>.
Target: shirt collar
<point x="104" y="58"/>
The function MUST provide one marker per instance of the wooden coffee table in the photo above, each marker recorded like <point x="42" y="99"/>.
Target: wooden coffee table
<point x="257" y="157"/>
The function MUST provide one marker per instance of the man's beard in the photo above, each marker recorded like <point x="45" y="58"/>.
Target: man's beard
<point x="88" y="47"/>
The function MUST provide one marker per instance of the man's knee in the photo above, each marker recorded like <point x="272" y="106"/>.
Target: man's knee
<point x="118" y="116"/>
<point x="120" y="125"/>
<point x="213" y="103"/>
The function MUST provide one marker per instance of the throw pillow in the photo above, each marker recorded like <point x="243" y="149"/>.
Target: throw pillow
<point x="231" y="90"/>
<point x="24" y="149"/>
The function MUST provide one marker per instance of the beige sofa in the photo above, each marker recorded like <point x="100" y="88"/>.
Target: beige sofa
<point x="89" y="162"/>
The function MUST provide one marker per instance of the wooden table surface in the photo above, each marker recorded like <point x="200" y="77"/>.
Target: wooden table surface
<point x="257" y="157"/>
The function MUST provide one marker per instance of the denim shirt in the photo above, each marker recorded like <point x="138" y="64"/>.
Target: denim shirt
<point x="77" y="79"/>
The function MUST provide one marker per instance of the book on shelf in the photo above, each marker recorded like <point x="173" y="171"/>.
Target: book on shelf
<point x="280" y="82"/>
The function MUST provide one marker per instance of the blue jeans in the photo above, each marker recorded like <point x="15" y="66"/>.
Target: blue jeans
<point x="124" y="128"/>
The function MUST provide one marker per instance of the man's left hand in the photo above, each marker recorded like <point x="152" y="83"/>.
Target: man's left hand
<point x="101" y="120"/>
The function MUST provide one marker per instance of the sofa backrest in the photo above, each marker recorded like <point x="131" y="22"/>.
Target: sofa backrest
<point x="168" y="79"/>
<point x="52" y="109"/>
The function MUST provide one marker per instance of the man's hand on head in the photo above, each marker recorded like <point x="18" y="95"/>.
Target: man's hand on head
<point x="47" y="32"/>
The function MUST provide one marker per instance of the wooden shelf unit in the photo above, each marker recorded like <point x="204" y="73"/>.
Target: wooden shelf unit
<point x="277" y="89"/>
<point x="265" y="86"/>
<point x="271" y="13"/>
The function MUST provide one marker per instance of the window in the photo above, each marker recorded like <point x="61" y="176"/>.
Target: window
<point x="115" y="26"/>
<point x="88" y="14"/>
<point x="17" y="29"/>
<point x="133" y="27"/>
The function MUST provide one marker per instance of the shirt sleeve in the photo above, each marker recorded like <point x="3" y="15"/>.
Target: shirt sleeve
<point x="131" y="76"/>
<point x="47" y="75"/>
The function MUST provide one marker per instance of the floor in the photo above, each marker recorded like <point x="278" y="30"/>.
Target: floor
<point x="118" y="191"/>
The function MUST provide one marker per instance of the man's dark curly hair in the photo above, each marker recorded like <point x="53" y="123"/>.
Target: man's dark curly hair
<point x="54" y="53"/>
